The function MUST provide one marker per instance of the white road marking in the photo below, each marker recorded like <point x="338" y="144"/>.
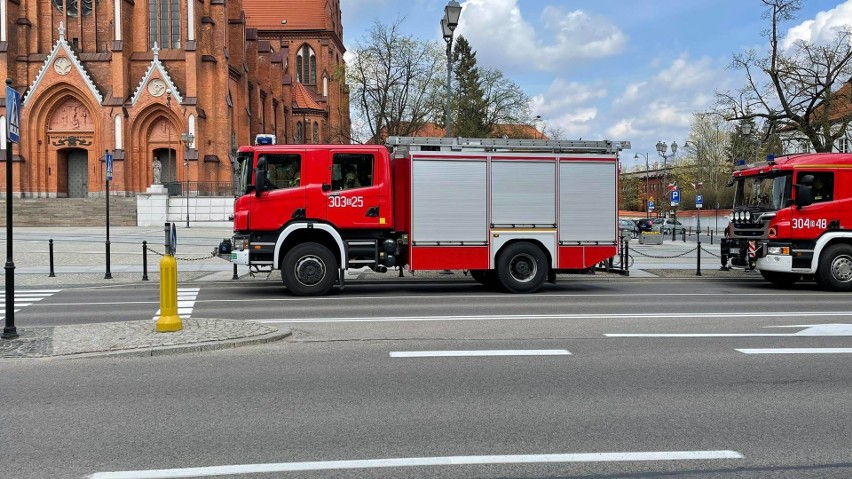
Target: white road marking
<point x="497" y="352"/>
<point x="185" y="302"/>
<point x="26" y="298"/>
<point x="499" y="317"/>
<point x="797" y="351"/>
<point x="814" y="330"/>
<point x="419" y="462"/>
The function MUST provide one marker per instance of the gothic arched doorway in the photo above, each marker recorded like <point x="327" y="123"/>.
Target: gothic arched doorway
<point x="73" y="179"/>
<point x="168" y="162"/>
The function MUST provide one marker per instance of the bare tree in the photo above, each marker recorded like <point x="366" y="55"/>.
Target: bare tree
<point x="505" y="101"/>
<point x="797" y="90"/>
<point x="394" y="79"/>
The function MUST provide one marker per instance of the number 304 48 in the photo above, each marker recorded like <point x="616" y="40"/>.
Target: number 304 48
<point x="804" y="223"/>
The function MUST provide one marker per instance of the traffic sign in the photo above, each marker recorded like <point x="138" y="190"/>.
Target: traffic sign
<point x="651" y="205"/>
<point x="108" y="158"/>
<point x="675" y="197"/>
<point x="13" y="115"/>
<point x="699" y="201"/>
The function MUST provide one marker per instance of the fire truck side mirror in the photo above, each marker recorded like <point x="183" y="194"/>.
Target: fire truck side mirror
<point x="804" y="195"/>
<point x="260" y="177"/>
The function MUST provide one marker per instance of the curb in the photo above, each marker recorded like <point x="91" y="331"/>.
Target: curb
<point x="194" y="347"/>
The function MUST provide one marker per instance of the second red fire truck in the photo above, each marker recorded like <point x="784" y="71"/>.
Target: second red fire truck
<point x="512" y="212"/>
<point x="792" y="219"/>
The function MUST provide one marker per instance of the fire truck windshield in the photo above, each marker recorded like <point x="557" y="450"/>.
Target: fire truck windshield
<point x="244" y="160"/>
<point x="764" y="192"/>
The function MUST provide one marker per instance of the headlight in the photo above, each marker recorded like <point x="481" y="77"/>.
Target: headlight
<point x="778" y="250"/>
<point x="748" y="216"/>
<point x="731" y="216"/>
<point x="738" y="215"/>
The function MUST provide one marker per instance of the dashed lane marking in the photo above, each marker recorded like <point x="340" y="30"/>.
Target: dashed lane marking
<point x="496" y="352"/>
<point x="797" y="351"/>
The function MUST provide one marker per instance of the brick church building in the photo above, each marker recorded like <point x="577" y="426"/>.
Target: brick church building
<point x="182" y="81"/>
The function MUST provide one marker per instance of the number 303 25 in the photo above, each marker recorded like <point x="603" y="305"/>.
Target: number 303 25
<point x="344" y="201"/>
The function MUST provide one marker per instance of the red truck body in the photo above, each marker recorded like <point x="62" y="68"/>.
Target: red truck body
<point x="512" y="212"/>
<point x="792" y="219"/>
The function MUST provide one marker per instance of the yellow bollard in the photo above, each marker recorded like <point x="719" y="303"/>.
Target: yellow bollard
<point x="169" y="321"/>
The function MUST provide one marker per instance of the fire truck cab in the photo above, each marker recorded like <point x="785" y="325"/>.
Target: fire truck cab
<point x="512" y="212"/>
<point x="792" y="219"/>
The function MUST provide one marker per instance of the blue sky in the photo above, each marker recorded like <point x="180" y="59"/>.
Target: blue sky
<point x="607" y="69"/>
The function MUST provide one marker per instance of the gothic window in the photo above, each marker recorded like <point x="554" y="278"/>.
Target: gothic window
<point x="164" y="23"/>
<point x="74" y="6"/>
<point x="299" y="133"/>
<point x="316" y="133"/>
<point x="306" y="66"/>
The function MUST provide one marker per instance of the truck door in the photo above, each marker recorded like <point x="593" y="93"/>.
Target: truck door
<point x="282" y="199"/>
<point x="355" y="197"/>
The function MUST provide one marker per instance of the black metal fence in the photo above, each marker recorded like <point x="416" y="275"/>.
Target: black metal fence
<point x="201" y="188"/>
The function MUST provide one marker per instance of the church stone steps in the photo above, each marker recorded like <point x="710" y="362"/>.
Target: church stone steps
<point x="70" y="211"/>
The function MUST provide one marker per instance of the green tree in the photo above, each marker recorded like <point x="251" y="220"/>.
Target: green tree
<point x="469" y="117"/>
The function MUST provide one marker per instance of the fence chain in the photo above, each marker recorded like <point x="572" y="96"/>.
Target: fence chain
<point x="710" y="252"/>
<point x="212" y="255"/>
<point x="633" y="250"/>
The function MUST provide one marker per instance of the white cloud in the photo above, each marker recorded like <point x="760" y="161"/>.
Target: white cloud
<point x="823" y="27"/>
<point x="563" y="94"/>
<point x="503" y="38"/>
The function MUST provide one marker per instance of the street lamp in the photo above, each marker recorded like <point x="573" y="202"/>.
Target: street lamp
<point x="647" y="180"/>
<point x="661" y="149"/>
<point x="452" y="12"/>
<point x="187" y="139"/>
<point x="697" y="206"/>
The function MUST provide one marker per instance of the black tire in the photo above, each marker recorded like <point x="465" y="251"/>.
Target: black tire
<point x="835" y="268"/>
<point x="522" y="268"/>
<point x="784" y="280"/>
<point x="309" y="269"/>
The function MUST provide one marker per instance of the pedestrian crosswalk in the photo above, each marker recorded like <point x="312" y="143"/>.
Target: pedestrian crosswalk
<point x="185" y="302"/>
<point x="26" y="298"/>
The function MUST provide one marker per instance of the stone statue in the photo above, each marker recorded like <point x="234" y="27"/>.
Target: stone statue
<point x="157" y="168"/>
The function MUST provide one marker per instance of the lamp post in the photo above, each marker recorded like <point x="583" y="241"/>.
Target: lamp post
<point x="187" y="139"/>
<point x="661" y="149"/>
<point x="452" y="12"/>
<point x="647" y="179"/>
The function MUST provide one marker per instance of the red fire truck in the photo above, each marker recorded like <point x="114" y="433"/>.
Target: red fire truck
<point x="792" y="219"/>
<point x="512" y="212"/>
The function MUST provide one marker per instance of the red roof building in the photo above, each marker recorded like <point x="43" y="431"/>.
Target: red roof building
<point x="138" y="79"/>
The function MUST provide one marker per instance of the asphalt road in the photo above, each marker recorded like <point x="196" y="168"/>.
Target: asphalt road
<point x="595" y="381"/>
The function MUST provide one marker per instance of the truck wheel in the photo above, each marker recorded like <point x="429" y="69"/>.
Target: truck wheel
<point x="780" y="279"/>
<point x="309" y="269"/>
<point x="522" y="268"/>
<point x="835" y="268"/>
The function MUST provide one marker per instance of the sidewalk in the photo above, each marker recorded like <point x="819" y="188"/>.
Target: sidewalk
<point x="80" y="259"/>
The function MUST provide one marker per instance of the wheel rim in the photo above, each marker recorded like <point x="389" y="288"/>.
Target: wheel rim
<point x="523" y="268"/>
<point x="309" y="270"/>
<point x="841" y="268"/>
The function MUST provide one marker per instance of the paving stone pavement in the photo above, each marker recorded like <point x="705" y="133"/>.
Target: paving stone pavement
<point x="137" y="338"/>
